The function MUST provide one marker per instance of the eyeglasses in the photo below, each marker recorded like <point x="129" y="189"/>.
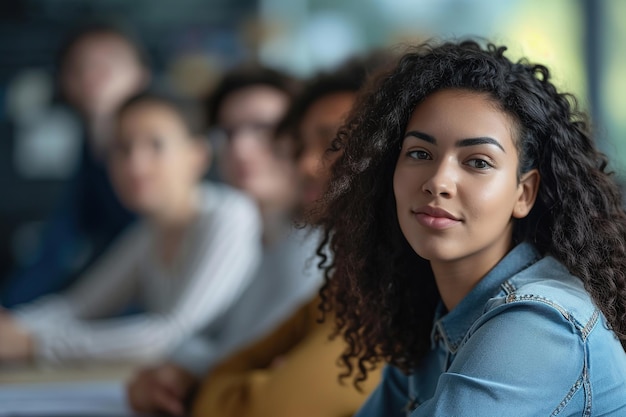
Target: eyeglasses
<point x="221" y="135"/>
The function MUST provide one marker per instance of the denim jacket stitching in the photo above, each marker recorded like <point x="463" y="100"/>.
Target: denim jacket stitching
<point x="511" y="298"/>
<point x="565" y="401"/>
<point x="454" y="345"/>
<point x="584" y="383"/>
<point x="588" y="395"/>
<point x="584" y="331"/>
<point x="508" y="287"/>
<point x="451" y="347"/>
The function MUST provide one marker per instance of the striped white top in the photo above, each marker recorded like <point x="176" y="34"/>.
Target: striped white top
<point x="287" y="278"/>
<point x="215" y="263"/>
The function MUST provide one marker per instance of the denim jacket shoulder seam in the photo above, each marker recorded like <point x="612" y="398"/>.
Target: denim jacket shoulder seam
<point x="584" y="329"/>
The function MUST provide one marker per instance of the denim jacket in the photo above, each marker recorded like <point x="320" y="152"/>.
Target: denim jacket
<point x="526" y="341"/>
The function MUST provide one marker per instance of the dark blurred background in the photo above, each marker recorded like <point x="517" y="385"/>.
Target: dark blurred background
<point x="192" y="42"/>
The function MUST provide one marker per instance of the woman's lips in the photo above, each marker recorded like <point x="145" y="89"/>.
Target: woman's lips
<point x="435" y="222"/>
<point x="435" y="218"/>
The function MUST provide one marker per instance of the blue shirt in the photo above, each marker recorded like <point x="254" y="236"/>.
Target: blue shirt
<point x="526" y="341"/>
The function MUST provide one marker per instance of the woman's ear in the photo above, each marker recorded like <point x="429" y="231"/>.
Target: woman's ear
<point x="528" y="187"/>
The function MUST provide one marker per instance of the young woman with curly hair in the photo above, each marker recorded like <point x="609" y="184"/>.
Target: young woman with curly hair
<point x="479" y="243"/>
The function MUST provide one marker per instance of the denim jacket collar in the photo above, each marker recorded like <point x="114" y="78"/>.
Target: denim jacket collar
<point x="454" y="325"/>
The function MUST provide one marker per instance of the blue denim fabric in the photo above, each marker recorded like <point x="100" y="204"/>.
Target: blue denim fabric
<point x="526" y="341"/>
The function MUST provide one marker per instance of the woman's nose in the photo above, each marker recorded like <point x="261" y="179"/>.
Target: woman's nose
<point x="308" y="164"/>
<point x="441" y="180"/>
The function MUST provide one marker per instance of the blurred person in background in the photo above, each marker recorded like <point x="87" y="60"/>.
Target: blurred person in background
<point x="290" y="371"/>
<point x="194" y="251"/>
<point x="243" y="112"/>
<point x="99" y="67"/>
<point x="293" y="370"/>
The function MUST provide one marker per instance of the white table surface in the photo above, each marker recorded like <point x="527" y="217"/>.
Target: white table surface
<point x="85" y="391"/>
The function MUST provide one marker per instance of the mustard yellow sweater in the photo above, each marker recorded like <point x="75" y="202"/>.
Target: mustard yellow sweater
<point x="291" y="372"/>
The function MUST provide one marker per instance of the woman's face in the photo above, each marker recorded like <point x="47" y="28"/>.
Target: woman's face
<point x="317" y="130"/>
<point x="247" y="118"/>
<point x="455" y="182"/>
<point x="154" y="163"/>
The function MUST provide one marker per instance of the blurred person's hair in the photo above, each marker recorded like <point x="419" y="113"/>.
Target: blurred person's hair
<point x="244" y="77"/>
<point x="187" y="109"/>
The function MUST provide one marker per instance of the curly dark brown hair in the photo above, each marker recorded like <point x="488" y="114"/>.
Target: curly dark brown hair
<point x="383" y="294"/>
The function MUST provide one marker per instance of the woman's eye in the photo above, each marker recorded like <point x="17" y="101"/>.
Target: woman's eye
<point x="418" y="155"/>
<point x="479" y="163"/>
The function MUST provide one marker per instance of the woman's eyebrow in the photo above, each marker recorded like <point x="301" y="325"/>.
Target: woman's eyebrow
<point x="484" y="140"/>
<point x="421" y="135"/>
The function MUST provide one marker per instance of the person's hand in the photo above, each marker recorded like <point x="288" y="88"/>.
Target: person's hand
<point x="162" y="389"/>
<point x="16" y="344"/>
